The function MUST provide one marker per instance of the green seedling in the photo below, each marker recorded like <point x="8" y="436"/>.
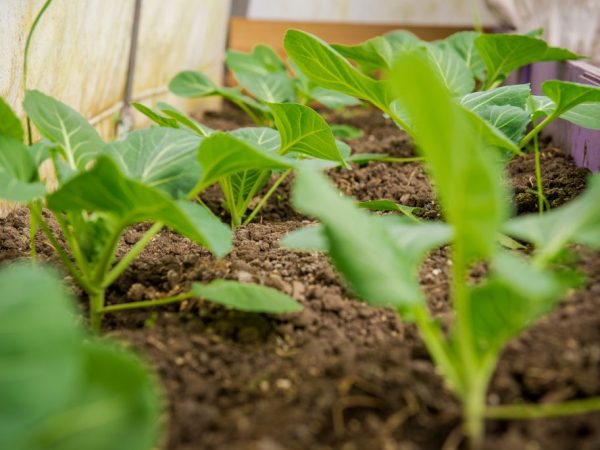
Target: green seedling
<point x="470" y="184"/>
<point x="151" y="176"/>
<point x="62" y="389"/>
<point x="264" y="76"/>
<point x="302" y="136"/>
<point x="463" y="61"/>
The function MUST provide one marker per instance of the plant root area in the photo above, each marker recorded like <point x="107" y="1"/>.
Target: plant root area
<point x="340" y="374"/>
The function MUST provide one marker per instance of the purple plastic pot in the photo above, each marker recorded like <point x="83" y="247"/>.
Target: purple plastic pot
<point x="584" y="144"/>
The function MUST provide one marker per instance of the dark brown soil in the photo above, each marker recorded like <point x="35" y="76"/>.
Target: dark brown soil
<point x="340" y="374"/>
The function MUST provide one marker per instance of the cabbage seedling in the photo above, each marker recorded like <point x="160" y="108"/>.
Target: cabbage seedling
<point x="469" y="179"/>
<point x="262" y="74"/>
<point x="302" y="136"/>
<point x="151" y="176"/>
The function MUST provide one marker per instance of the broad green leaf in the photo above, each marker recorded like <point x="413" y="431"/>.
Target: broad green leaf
<point x="586" y="115"/>
<point x="18" y="173"/>
<point x="10" y="125"/>
<point x="104" y="189"/>
<point x="467" y="176"/>
<point x="463" y="43"/>
<point x="516" y="294"/>
<point x="270" y="87"/>
<point x="261" y="137"/>
<point x="261" y="61"/>
<point x="222" y="154"/>
<point x="514" y="95"/>
<point x="39" y="343"/>
<point x="384" y="274"/>
<point x="452" y="68"/>
<point x="246" y="297"/>
<point x="402" y="40"/>
<point x="327" y="68"/>
<point x="489" y="134"/>
<point x="347" y="132"/>
<point x="332" y="99"/>
<point x="191" y="83"/>
<point x="567" y="95"/>
<point x="503" y="53"/>
<point x="510" y="120"/>
<point x="163" y="158"/>
<point x="576" y="222"/>
<point x="155" y="117"/>
<point x="63" y="125"/>
<point x="374" y="53"/>
<point x="304" y="131"/>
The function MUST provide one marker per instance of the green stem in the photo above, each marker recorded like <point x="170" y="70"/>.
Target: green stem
<point x="266" y="197"/>
<point x="131" y="255"/>
<point x="436" y="345"/>
<point x="538" y="173"/>
<point x="236" y="220"/>
<point x="106" y="257"/>
<point x="543" y="411"/>
<point x="474" y="412"/>
<point x="146" y="303"/>
<point x="62" y="254"/>
<point x="536" y="130"/>
<point x="96" y="308"/>
<point x="73" y="244"/>
<point x="460" y="299"/>
<point x="36" y="21"/>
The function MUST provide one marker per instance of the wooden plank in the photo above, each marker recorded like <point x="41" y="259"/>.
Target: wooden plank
<point x="244" y="33"/>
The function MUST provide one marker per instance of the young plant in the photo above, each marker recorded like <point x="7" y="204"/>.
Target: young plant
<point x="464" y="61"/>
<point x="469" y="180"/>
<point x="262" y="74"/>
<point x="151" y="176"/>
<point x="302" y="134"/>
<point x="60" y="388"/>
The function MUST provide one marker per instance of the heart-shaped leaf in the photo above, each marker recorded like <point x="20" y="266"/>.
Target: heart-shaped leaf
<point x="304" y="131"/>
<point x="64" y="126"/>
<point x="327" y="68"/>
<point x="163" y="158"/>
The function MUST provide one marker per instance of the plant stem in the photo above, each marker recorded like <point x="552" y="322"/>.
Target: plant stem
<point x="536" y="130"/>
<point x="131" y="255"/>
<point x="436" y="345"/>
<point x="538" y="173"/>
<point x="543" y="411"/>
<point x="96" y="306"/>
<point x="36" y="21"/>
<point x="146" y="303"/>
<point x="266" y="197"/>
<point x="474" y="412"/>
<point x="62" y="254"/>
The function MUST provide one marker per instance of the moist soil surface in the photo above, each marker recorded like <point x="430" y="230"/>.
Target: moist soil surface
<point x="340" y="374"/>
